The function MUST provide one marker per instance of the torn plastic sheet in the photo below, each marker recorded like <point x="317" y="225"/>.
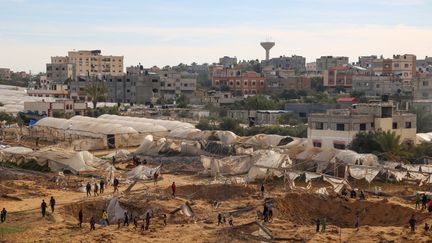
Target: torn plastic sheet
<point x="291" y="177"/>
<point x="310" y="175"/>
<point x="418" y="176"/>
<point x="114" y="210"/>
<point x="360" y="172"/>
<point x="426" y="168"/>
<point x="411" y="167"/>
<point x="337" y="184"/>
<point x="322" y="191"/>
<point x="142" y="172"/>
<point x="398" y="175"/>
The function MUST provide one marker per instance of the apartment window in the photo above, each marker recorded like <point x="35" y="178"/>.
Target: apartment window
<point x="340" y="127"/>
<point x="262" y="83"/>
<point x="408" y="125"/>
<point x="377" y="86"/>
<point x="395" y="125"/>
<point x="317" y="144"/>
<point x="231" y="83"/>
<point x="127" y="91"/>
<point x="168" y="85"/>
<point x="319" y="125"/>
<point x="185" y="85"/>
<point x="362" y="126"/>
<point x="119" y="80"/>
<point x="245" y="83"/>
<point x="406" y="65"/>
<point x="154" y="80"/>
<point x="238" y="83"/>
<point x="425" y="83"/>
<point x="396" y="65"/>
<point x="253" y="83"/>
<point x="128" y="80"/>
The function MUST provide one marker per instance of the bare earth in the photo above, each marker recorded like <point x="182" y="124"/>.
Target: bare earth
<point x="381" y="219"/>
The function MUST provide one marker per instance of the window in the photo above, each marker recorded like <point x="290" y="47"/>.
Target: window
<point x="127" y="91"/>
<point x="396" y="65"/>
<point x="362" y="126"/>
<point x="338" y="146"/>
<point x="395" y="125"/>
<point x="408" y="125"/>
<point x="372" y="125"/>
<point x="127" y="80"/>
<point x="155" y="80"/>
<point x="185" y="85"/>
<point x="406" y="65"/>
<point x="317" y="144"/>
<point x="425" y="83"/>
<point x="340" y="127"/>
<point x="319" y="125"/>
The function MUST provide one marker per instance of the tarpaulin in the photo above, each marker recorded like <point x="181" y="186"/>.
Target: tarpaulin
<point x="360" y="172"/>
<point x="411" y="167"/>
<point x="337" y="184"/>
<point x="426" y="168"/>
<point x="310" y="175"/>
<point x="398" y="175"/>
<point x="322" y="191"/>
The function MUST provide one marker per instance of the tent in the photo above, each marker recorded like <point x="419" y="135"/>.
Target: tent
<point x="142" y="172"/>
<point x="350" y="157"/>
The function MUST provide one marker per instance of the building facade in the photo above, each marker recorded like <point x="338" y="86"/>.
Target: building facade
<point x="60" y="72"/>
<point x="326" y="62"/>
<point x="337" y="128"/>
<point x="66" y="107"/>
<point x="238" y="82"/>
<point x="342" y="76"/>
<point x="173" y="84"/>
<point x="381" y="85"/>
<point x="5" y="74"/>
<point x="297" y="63"/>
<point x="227" y="61"/>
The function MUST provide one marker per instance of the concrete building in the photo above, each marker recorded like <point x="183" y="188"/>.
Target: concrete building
<point x="304" y="109"/>
<point x="366" y="61"/>
<point x="173" y="84"/>
<point x="424" y="65"/>
<point x="227" y="61"/>
<point x="257" y="117"/>
<point x="342" y="76"/>
<point x="238" y="82"/>
<point x="66" y="107"/>
<point x="311" y="67"/>
<point x="381" y="85"/>
<point x="60" y="72"/>
<point x="5" y="74"/>
<point x="277" y="81"/>
<point x="297" y="63"/>
<point x="92" y="63"/>
<point x="221" y="98"/>
<point x="405" y="66"/>
<point x="422" y="88"/>
<point x="50" y="90"/>
<point x="326" y="62"/>
<point x="337" y="128"/>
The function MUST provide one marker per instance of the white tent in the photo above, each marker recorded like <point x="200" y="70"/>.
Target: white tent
<point x="142" y="172"/>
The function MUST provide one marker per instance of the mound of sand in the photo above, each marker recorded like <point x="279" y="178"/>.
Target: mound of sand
<point x="214" y="192"/>
<point x="305" y="208"/>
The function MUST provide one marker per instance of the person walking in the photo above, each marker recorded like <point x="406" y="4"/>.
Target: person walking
<point x="426" y="227"/>
<point x="323" y="224"/>
<point x="3" y="215"/>
<point x="92" y="224"/>
<point x="96" y="189"/>
<point x="155" y="177"/>
<point x="164" y="217"/>
<point x="43" y="208"/>
<point x="52" y="204"/>
<point x="88" y="189"/>
<point x="424" y="201"/>
<point x="317" y="223"/>
<point x="116" y="184"/>
<point x="135" y="222"/>
<point x="104" y="221"/>
<point x="412" y="222"/>
<point x="219" y="219"/>
<point x="357" y="223"/>
<point x="80" y="218"/>
<point x="173" y="188"/>
<point x="102" y="186"/>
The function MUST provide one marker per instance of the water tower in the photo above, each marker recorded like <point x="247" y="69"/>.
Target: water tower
<point x="267" y="46"/>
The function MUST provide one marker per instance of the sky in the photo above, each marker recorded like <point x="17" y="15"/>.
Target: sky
<point x="169" y="32"/>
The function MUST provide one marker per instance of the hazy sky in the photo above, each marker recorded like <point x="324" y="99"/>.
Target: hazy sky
<point x="173" y="31"/>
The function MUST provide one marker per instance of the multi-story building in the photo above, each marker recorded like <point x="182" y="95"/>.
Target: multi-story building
<point x="173" y="84"/>
<point x="278" y="81"/>
<point x="60" y="72"/>
<point x="92" y="63"/>
<point x="326" y="62"/>
<point x="311" y="67"/>
<point x="382" y="67"/>
<point x="381" y="85"/>
<point x="5" y="74"/>
<point x="366" y="61"/>
<point x="66" y="107"/>
<point x="422" y="88"/>
<point x="424" y="65"/>
<point x="405" y="66"/>
<point x="257" y="117"/>
<point x="337" y="128"/>
<point x="50" y="90"/>
<point x="238" y="82"/>
<point x="342" y="76"/>
<point x="297" y="63"/>
<point x="227" y="61"/>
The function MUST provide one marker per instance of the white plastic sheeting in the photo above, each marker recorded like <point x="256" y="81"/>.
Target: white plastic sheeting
<point x="337" y="183"/>
<point x="151" y="147"/>
<point x="119" y="155"/>
<point x="424" y="137"/>
<point x="115" y="211"/>
<point x="232" y="165"/>
<point x="398" y="175"/>
<point x="363" y="173"/>
<point x="269" y="140"/>
<point x="142" y="172"/>
<point x="322" y="191"/>
<point x="310" y="175"/>
<point x="353" y="158"/>
<point x="13" y="98"/>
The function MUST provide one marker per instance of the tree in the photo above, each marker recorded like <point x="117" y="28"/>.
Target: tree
<point x="317" y="84"/>
<point x="424" y="119"/>
<point x="364" y="142"/>
<point x="182" y="101"/>
<point x="257" y="102"/>
<point x="290" y="118"/>
<point x="388" y="141"/>
<point x="229" y="124"/>
<point x="96" y="90"/>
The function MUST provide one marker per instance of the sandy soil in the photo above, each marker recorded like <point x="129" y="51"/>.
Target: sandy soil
<point x="382" y="219"/>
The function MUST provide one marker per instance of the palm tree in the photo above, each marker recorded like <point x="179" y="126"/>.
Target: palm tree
<point x="96" y="90"/>
<point x="388" y="141"/>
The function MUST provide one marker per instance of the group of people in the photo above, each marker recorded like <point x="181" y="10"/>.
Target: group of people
<point x="424" y="200"/>
<point x="353" y="194"/>
<point x="321" y="222"/>
<point x="137" y="161"/>
<point x="44" y="206"/>
<point x="222" y="220"/>
<point x="99" y="187"/>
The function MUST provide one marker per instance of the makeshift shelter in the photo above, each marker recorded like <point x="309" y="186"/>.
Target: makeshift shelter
<point x="115" y="210"/>
<point x="271" y="140"/>
<point x="350" y="157"/>
<point x="150" y="147"/>
<point x="142" y="172"/>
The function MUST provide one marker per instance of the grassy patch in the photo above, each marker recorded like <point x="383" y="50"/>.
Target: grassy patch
<point x="12" y="229"/>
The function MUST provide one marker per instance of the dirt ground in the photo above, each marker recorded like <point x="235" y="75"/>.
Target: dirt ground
<point x="383" y="219"/>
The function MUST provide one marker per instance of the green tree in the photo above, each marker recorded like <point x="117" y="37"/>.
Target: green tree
<point x="232" y="125"/>
<point x="182" y="101"/>
<point x="96" y="91"/>
<point x="257" y="102"/>
<point x="364" y="142"/>
<point x="290" y="119"/>
<point x="389" y="142"/>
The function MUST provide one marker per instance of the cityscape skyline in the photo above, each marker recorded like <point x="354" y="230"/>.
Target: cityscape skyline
<point x="171" y="32"/>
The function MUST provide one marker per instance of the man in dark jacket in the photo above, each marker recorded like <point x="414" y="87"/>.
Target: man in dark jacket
<point x="412" y="222"/>
<point x="52" y="204"/>
<point x="80" y="218"/>
<point x="43" y="208"/>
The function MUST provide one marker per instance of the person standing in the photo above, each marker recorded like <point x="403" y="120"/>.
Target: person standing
<point x="43" y="208"/>
<point x="417" y="201"/>
<point x="173" y="188"/>
<point x="323" y="224"/>
<point x="104" y="221"/>
<point x="317" y="223"/>
<point x="116" y="184"/>
<point x="426" y="227"/>
<point x="88" y="189"/>
<point x="102" y="186"/>
<point x="3" y="215"/>
<point x="219" y="219"/>
<point x="412" y="222"/>
<point x="126" y="219"/>
<point x="92" y="224"/>
<point x="155" y="177"/>
<point x="52" y="204"/>
<point x="80" y="218"/>
<point x="164" y="219"/>
<point x="262" y="190"/>
<point x="96" y="189"/>
<point x="147" y="220"/>
<point x="357" y="223"/>
<point x="424" y="201"/>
